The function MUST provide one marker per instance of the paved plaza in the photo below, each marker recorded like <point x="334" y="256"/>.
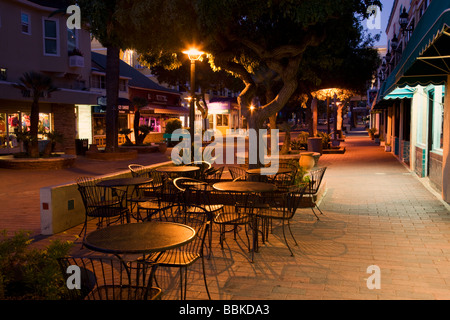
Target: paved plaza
<point x="376" y="213"/>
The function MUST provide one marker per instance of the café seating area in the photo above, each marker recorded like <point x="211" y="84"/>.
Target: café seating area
<point x="170" y="216"/>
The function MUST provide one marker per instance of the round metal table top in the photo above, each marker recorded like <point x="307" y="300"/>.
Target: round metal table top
<point x="279" y="171"/>
<point x="139" y="238"/>
<point x="245" y="186"/>
<point x="123" y="182"/>
<point x="176" y="169"/>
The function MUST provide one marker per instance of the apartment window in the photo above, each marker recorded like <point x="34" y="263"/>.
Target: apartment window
<point x="122" y="85"/>
<point x="72" y="39"/>
<point x="25" y="23"/>
<point x="51" y="37"/>
<point x="99" y="82"/>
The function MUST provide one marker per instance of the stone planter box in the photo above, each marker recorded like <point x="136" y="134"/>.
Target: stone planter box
<point x="112" y="156"/>
<point x="55" y="163"/>
<point x="338" y="150"/>
<point x="141" y="149"/>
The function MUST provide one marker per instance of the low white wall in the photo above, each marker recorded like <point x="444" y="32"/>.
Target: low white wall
<point x="62" y="208"/>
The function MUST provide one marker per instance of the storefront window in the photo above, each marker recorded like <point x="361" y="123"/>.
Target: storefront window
<point x="99" y="125"/>
<point x="222" y="120"/>
<point x="211" y="121"/>
<point x="3" y="133"/>
<point x="123" y="122"/>
<point x="43" y="126"/>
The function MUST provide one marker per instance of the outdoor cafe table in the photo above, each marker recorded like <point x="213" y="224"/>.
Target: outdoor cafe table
<point x="139" y="238"/>
<point x="245" y="186"/>
<point x="259" y="172"/>
<point x="250" y="187"/>
<point x="124" y="182"/>
<point x="178" y="170"/>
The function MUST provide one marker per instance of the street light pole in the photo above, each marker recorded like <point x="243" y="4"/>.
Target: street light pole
<point x="192" y="109"/>
<point x="193" y="55"/>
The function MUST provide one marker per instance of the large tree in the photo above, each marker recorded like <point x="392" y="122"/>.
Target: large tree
<point x="99" y="18"/>
<point x="206" y="79"/>
<point x="257" y="41"/>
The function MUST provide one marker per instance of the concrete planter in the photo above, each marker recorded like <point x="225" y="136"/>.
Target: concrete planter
<point x="112" y="156"/>
<point x="315" y="144"/>
<point x="54" y="163"/>
<point x="162" y="146"/>
<point x="141" y="149"/>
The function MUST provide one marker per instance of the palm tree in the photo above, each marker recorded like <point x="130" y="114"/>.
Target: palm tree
<point x="36" y="85"/>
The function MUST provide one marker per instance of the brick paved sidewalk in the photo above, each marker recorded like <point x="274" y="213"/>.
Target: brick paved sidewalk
<point x="375" y="213"/>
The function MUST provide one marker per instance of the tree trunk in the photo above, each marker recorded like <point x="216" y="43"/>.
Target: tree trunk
<point x="328" y="116"/>
<point x="287" y="143"/>
<point x="310" y="118"/>
<point x="253" y="147"/>
<point x="33" y="146"/>
<point x="137" y="116"/>
<point x="112" y="93"/>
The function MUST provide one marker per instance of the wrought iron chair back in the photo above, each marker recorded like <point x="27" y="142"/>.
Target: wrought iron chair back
<point x="281" y="205"/>
<point x="105" y="204"/>
<point x="238" y="173"/>
<point x="108" y="279"/>
<point x="186" y="255"/>
<point x="315" y="181"/>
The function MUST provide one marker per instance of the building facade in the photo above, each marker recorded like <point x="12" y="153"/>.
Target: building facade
<point x="34" y="40"/>
<point x="412" y="102"/>
<point x="162" y="103"/>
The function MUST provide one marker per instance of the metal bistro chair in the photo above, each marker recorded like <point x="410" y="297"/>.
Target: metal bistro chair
<point x="186" y="255"/>
<point x="236" y="212"/>
<point x="238" y="173"/>
<point x="105" y="204"/>
<point x="146" y="197"/>
<point x="167" y="197"/>
<point x="205" y="169"/>
<point x="315" y="180"/>
<point x="214" y="175"/>
<point x="281" y="205"/>
<point x="110" y="279"/>
<point x="195" y="197"/>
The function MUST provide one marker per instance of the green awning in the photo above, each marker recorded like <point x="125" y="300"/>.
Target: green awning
<point x="401" y="93"/>
<point x="426" y="58"/>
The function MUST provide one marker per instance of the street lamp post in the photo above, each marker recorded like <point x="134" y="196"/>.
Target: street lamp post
<point x="193" y="55"/>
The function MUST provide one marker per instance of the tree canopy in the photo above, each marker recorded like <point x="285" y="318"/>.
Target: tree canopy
<point x="259" y="42"/>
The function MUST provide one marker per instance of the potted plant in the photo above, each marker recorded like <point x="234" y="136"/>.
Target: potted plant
<point x="376" y="137"/>
<point x="76" y="58"/>
<point x="126" y="132"/>
<point x="162" y="146"/>
<point x="75" y="52"/>
<point x="387" y="147"/>
<point x="371" y="132"/>
<point x="172" y="125"/>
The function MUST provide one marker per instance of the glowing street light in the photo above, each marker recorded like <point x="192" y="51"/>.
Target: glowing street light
<point x="194" y="54"/>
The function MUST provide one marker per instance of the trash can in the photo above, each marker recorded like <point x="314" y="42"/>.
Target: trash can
<point x="81" y="146"/>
